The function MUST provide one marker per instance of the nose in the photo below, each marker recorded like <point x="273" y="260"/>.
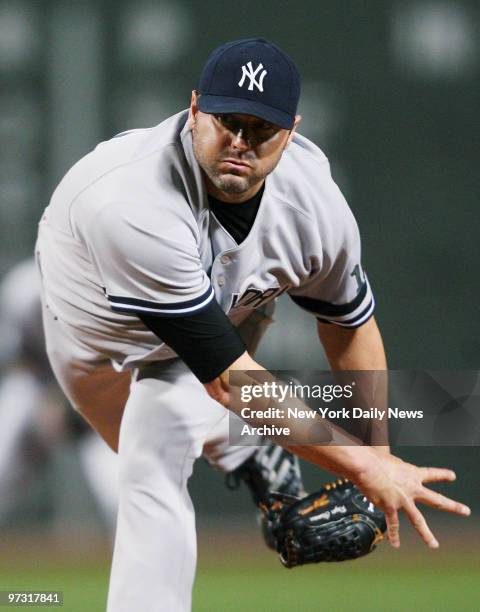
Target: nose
<point x="240" y="141"/>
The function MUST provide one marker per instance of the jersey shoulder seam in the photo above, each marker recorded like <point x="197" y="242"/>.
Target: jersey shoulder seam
<point x="278" y="194"/>
<point x="109" y="171"/>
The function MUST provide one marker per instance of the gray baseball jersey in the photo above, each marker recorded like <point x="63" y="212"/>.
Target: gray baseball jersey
<point x="135" y="214"/>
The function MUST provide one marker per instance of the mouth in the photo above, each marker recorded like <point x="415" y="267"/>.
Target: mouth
<point x="235" y="167"/>
<point x="235" y="162"/>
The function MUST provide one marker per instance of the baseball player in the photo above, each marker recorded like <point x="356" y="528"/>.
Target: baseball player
<point x="161" y="254"/>
<point x="32" y="410"/>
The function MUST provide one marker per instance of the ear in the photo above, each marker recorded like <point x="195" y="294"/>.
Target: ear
<point x="298" y="118"/>
<point x="192" y="113"/>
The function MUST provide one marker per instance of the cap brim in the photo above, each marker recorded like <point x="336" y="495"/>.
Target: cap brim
<point x="209" y="103"/>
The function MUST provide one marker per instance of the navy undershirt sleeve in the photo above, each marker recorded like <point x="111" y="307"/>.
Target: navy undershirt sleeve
<point x="206" y="341"/>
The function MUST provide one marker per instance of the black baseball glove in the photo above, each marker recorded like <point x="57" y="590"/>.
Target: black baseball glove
<point x="335" y="524"/>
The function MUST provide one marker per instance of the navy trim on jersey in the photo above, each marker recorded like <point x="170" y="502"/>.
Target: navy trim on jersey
<point x="345" y="315"/>
<point x="326" y="309"/>
<point x="173" y="309"/>
<point x="356" y="321"/>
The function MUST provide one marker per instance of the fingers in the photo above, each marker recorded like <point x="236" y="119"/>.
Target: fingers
<point x="393" y="527"/>
<point x="440" y="502"/>
<point x="217" y="392"/>
<point x="430" y="474"/>
<point x="224" y="398"/>
<point x="418" y="521"/>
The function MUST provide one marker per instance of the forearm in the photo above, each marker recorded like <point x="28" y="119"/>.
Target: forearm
<point x="353" y="349"/>
<point x="338" y="453"/>
<point x="274" y="406"/>
<point x="349" y="461"/>
<point x="361" y="349"/>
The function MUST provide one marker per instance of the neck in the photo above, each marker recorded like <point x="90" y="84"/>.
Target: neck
<point x="232" y="198"/>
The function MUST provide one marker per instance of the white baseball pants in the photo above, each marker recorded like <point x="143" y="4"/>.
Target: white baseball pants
<point x="168" y="422"/>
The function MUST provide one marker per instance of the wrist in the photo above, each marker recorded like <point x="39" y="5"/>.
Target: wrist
<point x="360" y="462"/>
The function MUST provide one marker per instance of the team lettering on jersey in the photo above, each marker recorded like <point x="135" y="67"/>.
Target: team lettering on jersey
<point x="254" y="298"/>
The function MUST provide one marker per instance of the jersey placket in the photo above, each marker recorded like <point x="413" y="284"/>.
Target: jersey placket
<point x="223" y="251"/>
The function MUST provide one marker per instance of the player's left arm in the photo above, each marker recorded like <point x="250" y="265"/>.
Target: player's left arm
<point x="358" y="348"/>
<point x="337" y="292"/>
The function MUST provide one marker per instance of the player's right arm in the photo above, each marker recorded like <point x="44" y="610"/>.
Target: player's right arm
<point x="392" y="484"/>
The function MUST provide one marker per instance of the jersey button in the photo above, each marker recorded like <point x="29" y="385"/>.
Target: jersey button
<point x="225" y="259"/>
<point x="221" y="281"/>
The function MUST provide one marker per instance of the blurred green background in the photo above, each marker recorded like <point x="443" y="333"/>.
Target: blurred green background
<point x="391" y="94"/>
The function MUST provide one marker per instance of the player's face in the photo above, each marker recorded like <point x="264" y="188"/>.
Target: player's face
<point x="236" y="152"/>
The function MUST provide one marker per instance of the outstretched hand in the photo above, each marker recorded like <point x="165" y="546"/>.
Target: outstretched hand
<point x="393" y="485"/>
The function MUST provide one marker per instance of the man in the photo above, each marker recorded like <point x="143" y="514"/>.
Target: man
<point x="186" y="233"/>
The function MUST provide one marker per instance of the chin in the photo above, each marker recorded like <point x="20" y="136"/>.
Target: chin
<point x="232" y="184"/>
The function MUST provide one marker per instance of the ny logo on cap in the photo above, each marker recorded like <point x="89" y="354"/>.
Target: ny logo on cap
<point x="248" y="71"/>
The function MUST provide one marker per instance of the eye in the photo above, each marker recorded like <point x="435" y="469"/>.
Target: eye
<point x="226" y="120"/>
<point x="266" y="129"/>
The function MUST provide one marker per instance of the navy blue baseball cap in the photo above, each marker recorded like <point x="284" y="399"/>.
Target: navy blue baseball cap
<point x="252" y="77"/>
